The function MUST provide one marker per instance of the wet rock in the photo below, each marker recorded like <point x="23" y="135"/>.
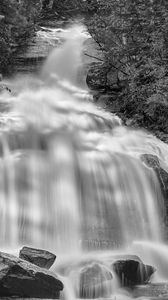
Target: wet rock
<point x="103" y="100"/>
<point x="22" y="279"/>
<point x="126" y="257"/>
<point x="39" y="257"/>
<point x="132" y="272"/>
<point x="95" y="281"/>
<point x="4" y="88"/>
<point x="152" y="161"/>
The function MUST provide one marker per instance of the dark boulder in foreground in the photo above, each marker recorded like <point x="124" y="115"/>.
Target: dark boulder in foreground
<point x="41" y="258"/>
<point x="132" y="272"/>
<point x="95" y="281"/>
<point x="22" y="279"/>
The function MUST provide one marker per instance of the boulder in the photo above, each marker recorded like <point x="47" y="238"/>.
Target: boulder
<point x="38" y="257"/>
<point x="124" y="256"/>
<point x="96" y="77"/>
<point x="22" y="279"/>
<point x="95" y="281"/>
<point x="132" y="272"/>
<point x="152" y="161"/>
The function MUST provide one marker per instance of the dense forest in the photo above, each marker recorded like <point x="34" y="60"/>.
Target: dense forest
<point x="132" y="77"/>
<point x="133" y="35"/>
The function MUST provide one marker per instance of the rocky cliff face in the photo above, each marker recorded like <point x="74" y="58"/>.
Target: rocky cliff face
<point x="17" y="23"/>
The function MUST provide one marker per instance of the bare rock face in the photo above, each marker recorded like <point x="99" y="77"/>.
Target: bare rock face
<point x="132" y="272"/>
<point x="17" y="24"/>
<point x="38" y="257"/>
<point x="22" y="279"/>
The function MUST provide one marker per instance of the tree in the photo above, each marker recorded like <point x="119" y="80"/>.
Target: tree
<point x="133" y="35"/>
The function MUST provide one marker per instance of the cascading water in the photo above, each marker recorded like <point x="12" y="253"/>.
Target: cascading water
<point x="71" y="178"/>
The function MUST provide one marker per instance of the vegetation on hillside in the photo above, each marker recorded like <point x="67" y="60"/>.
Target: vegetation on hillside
<point x="133" y="34"/>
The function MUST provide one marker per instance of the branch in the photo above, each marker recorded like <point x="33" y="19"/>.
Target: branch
<point x="118" y="69"/>
<point x="92" y="56"/>
<point x="111" y="65"/>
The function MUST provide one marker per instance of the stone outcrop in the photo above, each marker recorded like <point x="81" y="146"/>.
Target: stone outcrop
<point x="95" y="281"/>
<point x="152" y="161"/>
<point x="132" y="272"/>
<point x="22" y="279"/>
<point x="39" y="257"/>
<point x="96" y="77"/>
<point x="17" y="24"/>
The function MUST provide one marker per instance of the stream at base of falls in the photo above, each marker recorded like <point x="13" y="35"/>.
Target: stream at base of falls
<point x="72" y="178"/>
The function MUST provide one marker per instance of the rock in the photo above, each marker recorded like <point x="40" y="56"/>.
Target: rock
<point x="4" y="87"/>
<point x="41" y="258"/>
<point x="96" y="77"/>
<point x="22" y="279"/>
<point x="112" y="77"/>
<point x="126" y="257"/>
<point x="132" y="272"/>
<point x="152" y="162"/>
<point x="104" y="99"/>
<point x="95" y="281"/>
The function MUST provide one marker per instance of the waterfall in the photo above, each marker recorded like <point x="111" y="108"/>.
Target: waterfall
<point x="71" y="176"/>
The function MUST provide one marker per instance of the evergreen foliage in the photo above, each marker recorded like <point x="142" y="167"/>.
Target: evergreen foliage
<point x="133" y="34"/>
